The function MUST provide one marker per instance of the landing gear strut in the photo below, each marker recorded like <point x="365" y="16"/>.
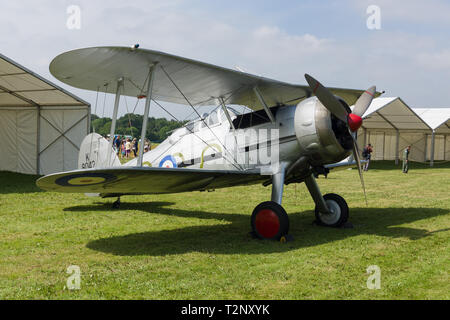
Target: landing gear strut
<point x="331" y="209"/>
<point x="269" y="219"/>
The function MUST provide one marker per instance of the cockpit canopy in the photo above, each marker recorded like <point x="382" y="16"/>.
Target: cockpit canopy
<point x="215" y="117"/>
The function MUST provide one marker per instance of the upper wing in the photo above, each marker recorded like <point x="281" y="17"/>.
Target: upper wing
<point x="134" y="180"/>
<point x="99" y="68"/>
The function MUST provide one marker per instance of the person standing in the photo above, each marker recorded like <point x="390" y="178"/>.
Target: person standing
<point x="117" y="145"/>
<point x="405" y="166"/>
<point x="367" y="155"/>
<point x="127" y="148"/>
<point x="134" y="147"/>
<point x="122" y="148"/>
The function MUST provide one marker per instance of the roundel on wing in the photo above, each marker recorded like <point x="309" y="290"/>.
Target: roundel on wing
<point x="168" y="162"/>
<point x="85" y="179"/>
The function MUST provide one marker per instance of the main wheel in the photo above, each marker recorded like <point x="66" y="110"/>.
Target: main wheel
<point x="339" y="211"/>
<point x="270" y="221"/>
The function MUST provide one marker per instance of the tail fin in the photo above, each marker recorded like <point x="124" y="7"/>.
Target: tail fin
<point x="94" y="153"/>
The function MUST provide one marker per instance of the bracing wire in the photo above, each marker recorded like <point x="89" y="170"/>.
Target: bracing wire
<point x="128" y="112"/>
<point x="95" y="112"/>
<point x="203" y="120"/>
<point x="190" y="130"/>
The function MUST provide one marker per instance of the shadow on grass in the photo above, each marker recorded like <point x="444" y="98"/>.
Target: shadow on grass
<point x="13" y="182"/>
<point x="390" y="165"/>
<point x="232" y="236"/>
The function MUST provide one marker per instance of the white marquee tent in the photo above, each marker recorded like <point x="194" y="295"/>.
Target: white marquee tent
<point x="390" y="125"/>
<point x="41" y="124"/>
<point x="438" y="142"/>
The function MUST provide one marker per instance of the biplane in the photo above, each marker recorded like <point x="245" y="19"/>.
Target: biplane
<point x="293" y="134"/>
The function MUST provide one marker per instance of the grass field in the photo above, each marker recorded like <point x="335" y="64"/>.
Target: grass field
<point x="196" y="245"/>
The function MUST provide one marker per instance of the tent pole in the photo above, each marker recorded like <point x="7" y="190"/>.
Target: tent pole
<point x="397" y="144"/>
<point x="114" y="118"/>
<point x="445" y="147"/>
<point x="432" y="148"/>
<point x="426" y="147"/>
<point x="365" y="137"/>
<point x="148" y="99"/>
<point x="38" y="140"/>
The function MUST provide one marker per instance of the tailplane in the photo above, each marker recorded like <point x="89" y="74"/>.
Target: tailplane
<point x="95" y="152"/>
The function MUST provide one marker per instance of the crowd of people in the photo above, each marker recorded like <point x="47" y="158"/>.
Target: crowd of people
<point x="127" y="147"/>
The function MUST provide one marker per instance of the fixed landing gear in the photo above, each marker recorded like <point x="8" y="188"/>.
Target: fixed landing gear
<point x="270" y="221"/>
<point x="116" y="204"/>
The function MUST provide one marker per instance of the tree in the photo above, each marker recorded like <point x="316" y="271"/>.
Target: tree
<point x="131" y="124"/>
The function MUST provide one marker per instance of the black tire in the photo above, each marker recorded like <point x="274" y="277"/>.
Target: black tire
<point x="269" y="221"/>
<point x="340" y="215"/>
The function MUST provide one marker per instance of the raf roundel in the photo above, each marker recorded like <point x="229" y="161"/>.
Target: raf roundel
<point x="85" y="179"/>
<point x="168" y="162"/>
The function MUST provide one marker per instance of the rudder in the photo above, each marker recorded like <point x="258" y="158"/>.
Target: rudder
<point x="94" y="153"/>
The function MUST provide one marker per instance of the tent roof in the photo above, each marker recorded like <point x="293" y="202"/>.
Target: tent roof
<point x="21" y="87"/>
<point x="437" y="118"/>
<point x="392" y="113"/>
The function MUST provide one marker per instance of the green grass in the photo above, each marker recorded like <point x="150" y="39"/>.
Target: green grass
<point x="196" y="245"/>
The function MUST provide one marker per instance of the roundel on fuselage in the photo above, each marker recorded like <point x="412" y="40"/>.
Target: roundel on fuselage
<point x="168" y="162"/>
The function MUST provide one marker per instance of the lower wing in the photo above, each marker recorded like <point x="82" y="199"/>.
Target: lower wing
<point x="146" y="180"/>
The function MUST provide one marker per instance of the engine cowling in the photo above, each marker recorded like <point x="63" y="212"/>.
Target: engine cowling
<point x="321" y="136"/>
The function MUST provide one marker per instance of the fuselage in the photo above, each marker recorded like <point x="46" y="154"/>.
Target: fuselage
<point x="253" y="141"/>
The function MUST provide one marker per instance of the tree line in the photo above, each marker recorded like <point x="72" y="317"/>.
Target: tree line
<point x="131" y="124"/>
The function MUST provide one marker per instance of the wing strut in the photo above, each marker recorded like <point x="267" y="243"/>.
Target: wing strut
<point x="114" y="117"/>
<point x="235" y="164"/>
<point x="148" y="99"/>
<point x="263" y="102"/>
<point x="225" y="110"/>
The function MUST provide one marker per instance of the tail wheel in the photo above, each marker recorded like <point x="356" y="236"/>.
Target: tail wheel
<point x="270" y="221"/>
<point x="339" y="211"/>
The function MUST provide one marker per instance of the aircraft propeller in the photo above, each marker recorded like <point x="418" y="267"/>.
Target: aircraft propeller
<point x="352" y="119"/>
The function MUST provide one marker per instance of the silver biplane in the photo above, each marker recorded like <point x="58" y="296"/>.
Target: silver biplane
<point x="302" y="131"/>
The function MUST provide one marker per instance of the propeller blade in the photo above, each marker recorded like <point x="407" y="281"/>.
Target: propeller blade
<point x="364" y="101"/>
<point x="358" y="161"/>
<point x="328" y="100"/>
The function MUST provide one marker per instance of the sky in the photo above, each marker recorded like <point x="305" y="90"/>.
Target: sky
<point x="407" y="56"/>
